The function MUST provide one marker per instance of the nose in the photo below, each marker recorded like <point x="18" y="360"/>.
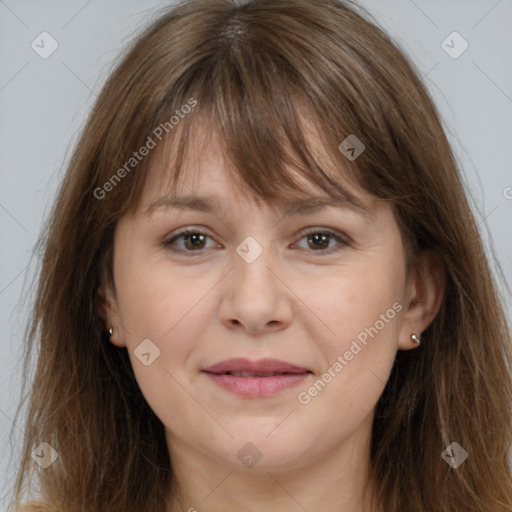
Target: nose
<point x="255" y="297"/>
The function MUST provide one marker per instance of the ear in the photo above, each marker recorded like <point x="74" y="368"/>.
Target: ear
<point x="423" y="297"/>
<point x="108" y="310"/>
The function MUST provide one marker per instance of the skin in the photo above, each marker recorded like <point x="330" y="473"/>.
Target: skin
<point x="292" y="303"/>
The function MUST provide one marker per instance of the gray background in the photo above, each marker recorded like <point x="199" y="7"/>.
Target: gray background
<point x="44" y="102"/>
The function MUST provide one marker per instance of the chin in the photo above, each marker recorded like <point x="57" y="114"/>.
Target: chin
<point x="254" y="451"/>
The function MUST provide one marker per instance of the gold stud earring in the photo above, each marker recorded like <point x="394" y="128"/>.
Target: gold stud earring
<point x="415" y="338"/>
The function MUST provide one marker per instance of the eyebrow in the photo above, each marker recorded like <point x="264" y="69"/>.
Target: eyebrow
<point x="209" y="204"/>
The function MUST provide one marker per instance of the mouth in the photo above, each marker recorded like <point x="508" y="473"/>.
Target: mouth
<point x="257" y="374"/>
<point x="261" y="367"/>
<point x="256" y="379"/>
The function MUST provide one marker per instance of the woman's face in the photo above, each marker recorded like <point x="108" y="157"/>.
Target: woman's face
<point x="250" y="283"/>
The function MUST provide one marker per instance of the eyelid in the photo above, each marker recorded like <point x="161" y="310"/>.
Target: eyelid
<point x="329" y="231"/>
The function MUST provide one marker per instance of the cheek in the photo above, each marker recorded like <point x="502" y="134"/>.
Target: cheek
<point x="355" y="302"/>
<point x="169" y="309"/>
<point x="157" y="298"/>
<point x="362" y="311"/>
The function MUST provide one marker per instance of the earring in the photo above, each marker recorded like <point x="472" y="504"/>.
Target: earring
<point x="415" y="338"/>
<point x="111" y="331"/>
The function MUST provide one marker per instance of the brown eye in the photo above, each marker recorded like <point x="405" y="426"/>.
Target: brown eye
<point x="321" y="241"/>
<point x="193" y="241"/>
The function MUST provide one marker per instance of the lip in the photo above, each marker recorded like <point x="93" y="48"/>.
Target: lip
<point x="246" y="365"/>
<point x="256" y="386"/>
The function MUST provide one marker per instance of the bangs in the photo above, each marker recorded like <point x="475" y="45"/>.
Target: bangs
<point x="267" y="121"/>
<point x="265" y="144"/>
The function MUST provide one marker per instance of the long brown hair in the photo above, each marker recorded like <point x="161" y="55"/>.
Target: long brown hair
<point x="251" y="67"/>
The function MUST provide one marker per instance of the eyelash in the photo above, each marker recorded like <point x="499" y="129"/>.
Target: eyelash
<point x="313" y="231"/>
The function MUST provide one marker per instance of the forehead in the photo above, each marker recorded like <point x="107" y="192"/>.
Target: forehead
<point x="209" y="180"/>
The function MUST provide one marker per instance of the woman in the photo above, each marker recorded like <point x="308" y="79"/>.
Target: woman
<point x="263" y="286"/>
